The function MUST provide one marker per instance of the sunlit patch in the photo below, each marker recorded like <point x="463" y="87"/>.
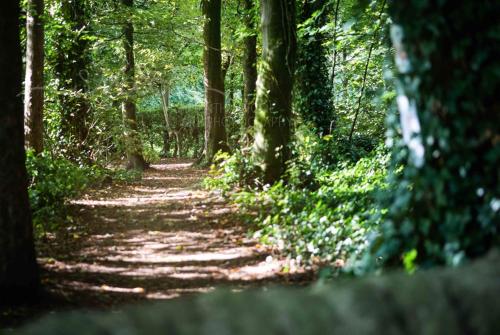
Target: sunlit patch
<point x="169" y="178"/>
<point x="141" y="200"/>
<point x="104" y="288"/>
<point x="175" y="293"/>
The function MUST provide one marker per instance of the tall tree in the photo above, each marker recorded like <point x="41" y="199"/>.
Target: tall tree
<point x="34" y="85"/>
<point x="19" y="279"/>
<point x="274" y="89"/>
<point x="314" y="101"/>
<point x="73" y="59"/>
<point x="215" y="128"/>
<point x="133" y="145"/>
<point x="249" y="69"/>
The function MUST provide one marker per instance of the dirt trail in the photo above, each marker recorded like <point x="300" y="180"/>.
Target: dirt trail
<point x="157" y="238"/>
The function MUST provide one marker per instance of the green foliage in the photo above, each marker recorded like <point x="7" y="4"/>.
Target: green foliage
<point x="232" y="171"/>
<point x="330" y="150"/>
<point x="166" y="52"/>
<point x="321" y="211"/>
<point x="53" y="181"/>
<point x="354" y="29"/>
<point x="331" y="222"/>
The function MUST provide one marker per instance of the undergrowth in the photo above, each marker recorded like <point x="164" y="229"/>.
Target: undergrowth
<point x="324" y="209"/>
<point x="55" y="180"/>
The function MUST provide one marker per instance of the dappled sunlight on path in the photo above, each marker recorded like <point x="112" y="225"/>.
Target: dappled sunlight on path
<point x="157" y="238"/>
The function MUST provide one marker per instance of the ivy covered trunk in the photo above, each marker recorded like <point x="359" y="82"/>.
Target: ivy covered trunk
<point x="133" y="145"/>
<point x="446" y="202"/>
<point x="274" y="88"/>
<point x="18" y="269"/>
<point x="249" y="69"/>
<point x="71" y="70"/>
<point x="34" y="85"/>
<point x="215" y="129"/>
<point x="313" y="100"/>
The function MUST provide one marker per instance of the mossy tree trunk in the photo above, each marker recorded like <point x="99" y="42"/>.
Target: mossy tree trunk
<point x="71" y="68"/>
<point x="274" y="88"/>
<point x="249" y="70"/>
<point x="19" y="279"/>
<point x="34" y="85"/>
<point x="215" y="128"/>
<point x="133" y="144"/>
<point x="314" y="101"/>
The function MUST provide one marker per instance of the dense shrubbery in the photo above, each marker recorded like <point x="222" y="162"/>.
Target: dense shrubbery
<point x="326" y="207"/>
<point x="54" y="180"/>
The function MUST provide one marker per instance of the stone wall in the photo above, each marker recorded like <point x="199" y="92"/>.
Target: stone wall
<point x="443" y="301"/>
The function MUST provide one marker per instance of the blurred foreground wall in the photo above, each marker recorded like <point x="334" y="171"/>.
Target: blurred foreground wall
<point x="443" y="301"/>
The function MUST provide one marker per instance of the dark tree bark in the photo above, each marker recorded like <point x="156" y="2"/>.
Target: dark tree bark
<point x="215" y="129"/>
<point x="19" y="279"/>
<point x="73" y="59"/>
<point x="249" y="71"/>
<point x="133" y="145"/>
<point x="274" y="93"/>
<point x="34" y="85"/>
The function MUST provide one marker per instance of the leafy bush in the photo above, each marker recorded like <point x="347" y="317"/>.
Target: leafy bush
<point x="322" y="211"/>
<point x="54" y="180"/>
<point x="151" y="155"/>
<point x="231" y="172"/>
<point x="329" y="223"/>
<point x="313" y="155"/>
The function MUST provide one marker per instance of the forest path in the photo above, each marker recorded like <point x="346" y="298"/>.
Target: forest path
<point x="158" y="238"/>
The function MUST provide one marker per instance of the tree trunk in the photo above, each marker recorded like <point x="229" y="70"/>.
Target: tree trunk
<point x="196" y="135"/>
<point x="215" y="130"/>
<point x="314" y="101"/>
<point x="19" y="279"/>
<point x="177" y="148"/>
<point x="165" y="103"/>
<point x="249" y="72"/>
<point x="71" y="69"/>
<point x="449" y="116"/>
<point x="133" y="145"/>
<point x="275" y="83"/>
<point x="34" y="86"/>
<point x="227" y="62"/>
<point x="230" y="95"/>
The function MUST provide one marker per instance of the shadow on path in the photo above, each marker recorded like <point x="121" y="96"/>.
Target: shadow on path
<point x="158" y="238"/>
